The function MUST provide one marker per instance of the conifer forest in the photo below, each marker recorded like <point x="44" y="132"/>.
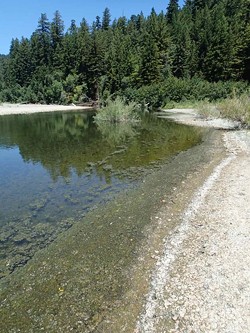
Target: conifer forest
<point x="198" y="51"/>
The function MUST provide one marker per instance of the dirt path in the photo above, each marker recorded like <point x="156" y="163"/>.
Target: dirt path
<point x="201" y="283"/>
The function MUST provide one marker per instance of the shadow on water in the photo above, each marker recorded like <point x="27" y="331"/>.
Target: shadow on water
<point x="56" y="167"/>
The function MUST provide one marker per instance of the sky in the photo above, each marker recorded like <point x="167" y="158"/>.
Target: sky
<point x="20" y="17"/>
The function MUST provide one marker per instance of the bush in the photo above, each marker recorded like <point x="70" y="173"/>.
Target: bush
<point x="196" y="89"/>
<point x="174" y="90"/>
<point x="118" y="111"/>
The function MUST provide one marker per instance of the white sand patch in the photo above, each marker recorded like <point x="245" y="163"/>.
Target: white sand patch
<point x="8" y="109"/>
<point x="191" y="117"/>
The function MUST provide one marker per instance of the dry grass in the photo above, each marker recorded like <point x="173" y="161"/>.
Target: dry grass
<point x="236" y="108"/>
<point x="208" y="110"/>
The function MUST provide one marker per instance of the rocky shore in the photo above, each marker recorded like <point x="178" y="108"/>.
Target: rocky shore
<point x="201" y="280"/>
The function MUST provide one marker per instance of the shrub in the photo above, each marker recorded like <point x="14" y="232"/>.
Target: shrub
<point x="118" y="111"/>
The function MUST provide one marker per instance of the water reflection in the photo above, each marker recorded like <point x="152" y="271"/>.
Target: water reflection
<point x="63" y="160"/>
<point x="62" y="142"/>
<point x="55" y="167"/>
<point x="117" y="134"/>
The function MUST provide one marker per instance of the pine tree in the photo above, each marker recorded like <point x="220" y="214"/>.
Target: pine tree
<point x="237" y="13"/>
<point x="246" y="70"/>
<point x="70" y="47"/>
<point x="97" y="23"/>
<point x="83" y="48"/>
<point x="172" y="10"/>
<point x="106" y="19"/>
<point x="183" y="50"/>
<point x="24" y="67"/>
<point x="41" y="42"/>
<point x="219" y="53"/>
<point x="57" y="34"/>
<point x="149" y="69"/>
<point x="57" y="30"/>
<point x="118" y="60"/>
<point x="158" y="29"/>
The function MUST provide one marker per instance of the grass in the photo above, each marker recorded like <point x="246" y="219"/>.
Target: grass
<point x="181" y="105"/>
<point x="208" y="110"/>
<point x="118" y="111"/>
<point x="236" y="108"/>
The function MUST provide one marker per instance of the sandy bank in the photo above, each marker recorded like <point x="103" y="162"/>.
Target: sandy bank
<point x="191" y="117"/>
<point x="201" y="280"/>
<point x="8" y="109"/>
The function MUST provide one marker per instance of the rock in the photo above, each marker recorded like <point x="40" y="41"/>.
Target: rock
<point x="90" y="164"/>
<point x="107" y="167"/>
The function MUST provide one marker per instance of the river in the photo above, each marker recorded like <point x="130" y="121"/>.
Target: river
<point x="65" y="181"/>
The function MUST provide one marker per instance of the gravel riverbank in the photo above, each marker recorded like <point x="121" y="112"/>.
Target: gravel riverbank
<point x="201" y="280"/>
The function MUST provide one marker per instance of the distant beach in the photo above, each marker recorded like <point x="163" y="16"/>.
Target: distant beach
<point x="7" y="109"/>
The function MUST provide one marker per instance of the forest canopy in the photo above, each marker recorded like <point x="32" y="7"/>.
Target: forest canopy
<point x="201" y="50"/>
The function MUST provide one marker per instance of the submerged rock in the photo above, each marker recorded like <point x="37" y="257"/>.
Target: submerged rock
<point x="107" y="167"/>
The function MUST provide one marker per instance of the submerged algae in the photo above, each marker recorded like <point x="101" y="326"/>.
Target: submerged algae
<point x="76" y="282"/>
<point x="63" y="166"/>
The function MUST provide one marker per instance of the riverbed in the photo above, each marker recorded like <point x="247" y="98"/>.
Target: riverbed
<point x="95" y="271"/>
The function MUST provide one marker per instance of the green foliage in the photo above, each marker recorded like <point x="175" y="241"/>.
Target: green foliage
<point x="237" y="108"/>
<point x="72" y="90"/>
<point x="106" y="19"/>
<point x="172" y="10"/>
<point x="187" y="53"/>
<point x="174" y="90"/>
<point x="118" y="111"/>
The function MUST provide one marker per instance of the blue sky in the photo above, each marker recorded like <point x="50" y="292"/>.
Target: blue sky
<point x="19" y="17"/>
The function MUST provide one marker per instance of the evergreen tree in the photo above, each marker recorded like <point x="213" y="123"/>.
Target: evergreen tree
<point x="57" y="34"/>
<point x="97" y="24"/>
<point x="183" y="49"/>
<point x="106" y="19"/>
<point x="219" y="53"/>
<point x="246" y="68"/>
<point x="70" y="47"/>
<point x="149" y="70"/>
<point x="199" y="4"/>
<point x="205" y="38"/>
<point x="23" y="65"/>
<point x="172" y="10"/>
<point x="41" y="42"/>
<point x="57" y="30"/>
<point x="83" y="49"/>
<point x="118" y="60"/>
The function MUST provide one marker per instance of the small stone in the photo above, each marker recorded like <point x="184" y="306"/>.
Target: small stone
<point x="182" y="312"/>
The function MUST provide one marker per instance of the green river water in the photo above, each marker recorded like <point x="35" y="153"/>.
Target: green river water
<point x="55" y="170"/>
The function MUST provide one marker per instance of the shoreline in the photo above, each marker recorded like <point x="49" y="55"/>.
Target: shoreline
<point x="170" y="276"/>
<point x="201" y="280"/>
<point x="98" y="296"/>
<point x="192" y="118"/>
<point x="12" y="109"/>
